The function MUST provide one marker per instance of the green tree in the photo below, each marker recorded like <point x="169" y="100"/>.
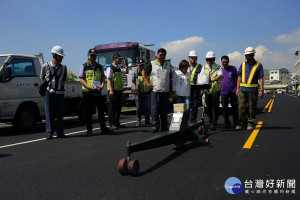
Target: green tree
<point x="72" y="77"/>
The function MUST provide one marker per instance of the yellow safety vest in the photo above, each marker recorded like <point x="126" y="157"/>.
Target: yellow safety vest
<point x="248" y="84"/>
<point x="143" y="86"/>
<point x="116" y="79"/>
<point x="216" y="85"/>
<point x="193" y="82"/>
<point x="91" y="75"/>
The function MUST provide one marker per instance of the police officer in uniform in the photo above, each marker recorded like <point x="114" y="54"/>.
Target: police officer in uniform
<point x="115" y="89"/>
<point x="92" y="79"/>
<point x="142" y="97"/>
<point x="161" y="76"/>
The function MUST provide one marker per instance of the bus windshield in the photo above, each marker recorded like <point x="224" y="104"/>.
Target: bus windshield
<point x="106" y="58"/>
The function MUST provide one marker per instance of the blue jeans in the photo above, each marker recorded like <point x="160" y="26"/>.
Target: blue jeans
<point x="54" y="108"/>
<point x="140" y="101"/>
<point x="186" y="100"/>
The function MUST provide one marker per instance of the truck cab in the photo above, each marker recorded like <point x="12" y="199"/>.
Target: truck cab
<point x="20" y="101"/>
<point x="19" y="96"/>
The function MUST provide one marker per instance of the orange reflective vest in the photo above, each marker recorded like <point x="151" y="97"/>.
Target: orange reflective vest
<point x="248" y="84"/>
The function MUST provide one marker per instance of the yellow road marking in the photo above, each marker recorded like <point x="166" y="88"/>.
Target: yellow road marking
<point x="270" y="108"/>
<point x="253" y="135"/>
<point x="264" y="110"/>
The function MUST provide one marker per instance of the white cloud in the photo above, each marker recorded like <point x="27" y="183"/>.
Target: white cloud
<point x="180" y="48"/>
<point x="269" y="59"/>
<point x="236" y="58"/>
<point x="292" y="37"/>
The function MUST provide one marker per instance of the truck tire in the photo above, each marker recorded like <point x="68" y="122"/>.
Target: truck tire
<point x="25" y="117"/>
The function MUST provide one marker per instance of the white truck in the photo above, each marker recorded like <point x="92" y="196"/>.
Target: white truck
<point x="20" y="101"/>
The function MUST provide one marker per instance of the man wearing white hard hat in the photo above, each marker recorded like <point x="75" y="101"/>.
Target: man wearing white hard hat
<point x="194" y="69"/>
<point x="56" y="74"/>
<point x="212" y="95"/>
<point x="249" y="85"/>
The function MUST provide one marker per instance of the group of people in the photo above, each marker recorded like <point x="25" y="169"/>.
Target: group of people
<point x="152" y="83"/>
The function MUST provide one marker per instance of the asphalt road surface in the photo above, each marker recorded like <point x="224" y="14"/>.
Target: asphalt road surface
<point x="81" y="167"/>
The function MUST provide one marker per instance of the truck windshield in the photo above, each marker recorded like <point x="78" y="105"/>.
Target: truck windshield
<point x="2" y="59"/>
<point x="106" y="58"/>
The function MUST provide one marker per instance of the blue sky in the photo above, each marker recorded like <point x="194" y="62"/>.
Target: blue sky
<point x="225" y="27"/>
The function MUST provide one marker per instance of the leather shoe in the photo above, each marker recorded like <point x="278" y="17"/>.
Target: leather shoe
<point x="61" y="136"/>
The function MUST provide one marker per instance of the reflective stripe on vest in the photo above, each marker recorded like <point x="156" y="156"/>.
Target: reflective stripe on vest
<point x="91" y="75"/>
<point x="193" y="74"/>
<point x="216" y="85"/>
<point x="143" y="88"/>
<point x="116" y="80"/>
<point x="253" y="70"/>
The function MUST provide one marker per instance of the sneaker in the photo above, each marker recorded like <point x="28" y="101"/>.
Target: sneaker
<point x="250" y="128"/>
<point x="138" y="123"/>
<point x="49" y="137"/>
<point x="88" y="133"/>
<point x="239" y="127"/>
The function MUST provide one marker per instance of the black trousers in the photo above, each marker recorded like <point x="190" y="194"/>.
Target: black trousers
<point x="195" y="93"/>
<point x="114" y="108"/>
<point x="90" y="102"/>
<point x="159" y="110"/>
<point x="212" y="102"/>
<point x="234" y="107"/>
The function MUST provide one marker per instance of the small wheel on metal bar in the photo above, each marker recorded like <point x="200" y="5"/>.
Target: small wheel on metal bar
<point x="123" y="166"/>
<point x="134" y="167"/>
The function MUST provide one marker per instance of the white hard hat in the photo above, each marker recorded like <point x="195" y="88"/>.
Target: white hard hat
<point x="249" y="50"/>
<point x="58" y="50"/>
<point x="193" y="53"/>
<point x="210" y="54"/>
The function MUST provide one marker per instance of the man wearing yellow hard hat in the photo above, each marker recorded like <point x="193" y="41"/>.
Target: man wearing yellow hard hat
<point x="249" y="85"/>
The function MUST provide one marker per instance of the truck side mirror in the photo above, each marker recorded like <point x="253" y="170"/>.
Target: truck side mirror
<point x="5" y="74"/>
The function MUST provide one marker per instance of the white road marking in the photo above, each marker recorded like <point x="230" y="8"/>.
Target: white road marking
<point x="42" y="139"/>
